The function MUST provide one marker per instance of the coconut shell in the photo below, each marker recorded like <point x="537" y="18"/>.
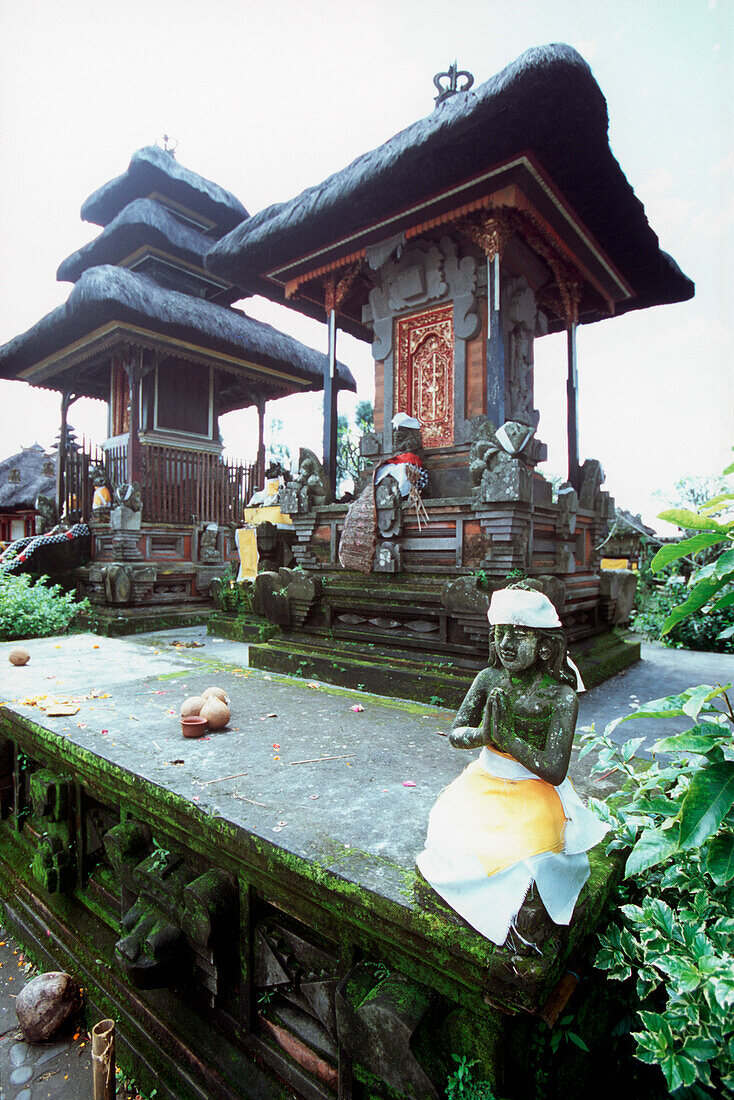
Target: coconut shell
<point x="191" y="707"/>
<point x="216" y="713"/>
<point x="45" y="1004"/>
<point x="218" y="693"/>
<point x="19" y="656"/>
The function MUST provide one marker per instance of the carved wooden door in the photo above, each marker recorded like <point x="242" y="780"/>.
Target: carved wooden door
<point x="424" y="376"/>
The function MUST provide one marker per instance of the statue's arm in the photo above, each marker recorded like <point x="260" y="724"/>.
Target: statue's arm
<point x="550" y="763"/>
<point x="467" y="730"/>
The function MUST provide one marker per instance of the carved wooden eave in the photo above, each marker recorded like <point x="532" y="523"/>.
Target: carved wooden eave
<point x="518" y="190"/>
<point x="94" y="350"/>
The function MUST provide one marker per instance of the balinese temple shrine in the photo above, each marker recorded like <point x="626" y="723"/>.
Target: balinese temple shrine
<point x="501" y="217"/>
<point x="148" y="330"/>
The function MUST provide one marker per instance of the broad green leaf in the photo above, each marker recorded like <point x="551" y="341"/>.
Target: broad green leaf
<point x="707" y="801"/>
<point x="699" y="739"/>
<point x="579" y="1042"/>
<point x="720" y="858"/>
<point x="684" y="548"/>
<point x="670" y="705"/>
<point x="695" y="701"/>
<point x="727" y="632"/>
<point x="725" y="601"/>
<point x="690" y="521"/>
<point x="700" y="595"/>
<point x="725" y="563"/>
<point x="652" y="848"/>
<point x="716" y="501"/>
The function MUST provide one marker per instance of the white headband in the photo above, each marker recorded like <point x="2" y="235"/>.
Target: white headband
<point x="522" y="607"/>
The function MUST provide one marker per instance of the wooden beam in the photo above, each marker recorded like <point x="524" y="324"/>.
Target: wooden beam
<point x="260" y="460"/>
<point x="133" y="365"/>
<point x="495" y="346"/>
<point x="331" y="391"/>
<point x="66" y="400"/>
<point x="572" y="427"/>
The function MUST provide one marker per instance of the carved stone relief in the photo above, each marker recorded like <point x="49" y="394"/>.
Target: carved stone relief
<point x="519" y="312"/>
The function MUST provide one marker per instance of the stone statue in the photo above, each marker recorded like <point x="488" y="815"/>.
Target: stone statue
<point x="127" y="512"/>
<point x="512" y="818"/>
<point x="102" y="497"/>
<point x="310" y="485"/>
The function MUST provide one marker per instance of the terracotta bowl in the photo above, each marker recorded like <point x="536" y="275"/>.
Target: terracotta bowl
<point x="194" y="726"/>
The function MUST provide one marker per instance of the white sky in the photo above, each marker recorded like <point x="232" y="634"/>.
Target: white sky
<point x="271" y="96"/>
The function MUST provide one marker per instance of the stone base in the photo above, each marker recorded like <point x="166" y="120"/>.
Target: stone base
<point x="440" y="678"/>
<point x="115" y="622"/>
<point x="259" y="928"/>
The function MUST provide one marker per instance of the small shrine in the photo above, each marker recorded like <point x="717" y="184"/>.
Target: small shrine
<point x="149" y="330"/>
<point x="500" y="218"/>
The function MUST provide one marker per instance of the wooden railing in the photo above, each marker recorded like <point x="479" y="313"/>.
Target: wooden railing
<point x="191" y="486"/>
<point x="177" y="486"/>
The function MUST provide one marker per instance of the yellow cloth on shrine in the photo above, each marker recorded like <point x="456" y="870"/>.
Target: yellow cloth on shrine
<point x="102" y="497"/>
<point x="270" y="512"/>
<point x="247" y="550"/>
<point x="616" y="563"/>
<point x="497" y="820"/>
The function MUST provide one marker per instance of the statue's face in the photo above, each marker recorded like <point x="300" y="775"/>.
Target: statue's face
<point x="517" y="646"/>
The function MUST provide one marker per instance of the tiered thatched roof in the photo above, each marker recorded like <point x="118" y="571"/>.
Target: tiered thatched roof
<point x="31" y="482"/>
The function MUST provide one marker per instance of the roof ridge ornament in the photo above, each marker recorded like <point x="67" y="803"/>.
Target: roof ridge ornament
<point x="170" y="145"/>
<point x="452" y="75"/>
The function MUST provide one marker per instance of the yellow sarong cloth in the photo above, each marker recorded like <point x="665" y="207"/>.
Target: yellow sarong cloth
<point x="499" y="821"/>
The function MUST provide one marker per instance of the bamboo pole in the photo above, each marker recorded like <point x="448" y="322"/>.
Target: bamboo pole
<point x="103" y="1060"/>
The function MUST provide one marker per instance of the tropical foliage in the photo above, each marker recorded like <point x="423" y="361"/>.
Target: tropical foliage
<point x="34" y="610"/>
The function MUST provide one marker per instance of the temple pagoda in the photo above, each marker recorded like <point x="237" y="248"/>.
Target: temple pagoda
<point x="149" y="330"/>
<point x="501" y="217"/>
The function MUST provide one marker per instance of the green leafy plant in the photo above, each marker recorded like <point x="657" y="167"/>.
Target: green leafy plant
<point x="672" y="938"/>
<point x="437" y="701"/>
<point x="711" y="585"/>
<point x="37" y="609"/>
<point x="461" y="1085"/>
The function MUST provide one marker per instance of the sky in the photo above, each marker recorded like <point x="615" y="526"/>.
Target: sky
<point x="267" y="98"/>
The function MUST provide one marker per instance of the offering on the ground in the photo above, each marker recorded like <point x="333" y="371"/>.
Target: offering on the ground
<point x="513" y="818"/>
<point x="45" y="1004"/>
<point x="218" y="693"/>
<point x="216" y="712"/>
<point x="19" y="656"/>
<point x="193" y="725"/>
<point x="192" y="706"/>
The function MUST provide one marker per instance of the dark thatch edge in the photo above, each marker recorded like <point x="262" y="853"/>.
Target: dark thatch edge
<point x="108" y="293"/>
<point x="548" y="103"/>
<point x="152" y="169"/>
<point x="33" y="483"/>
<point x="142" y="222"/>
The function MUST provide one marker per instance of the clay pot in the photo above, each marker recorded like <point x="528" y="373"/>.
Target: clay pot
<point x="193" y="725"/>
<point x="192" y="706"/>
<point x="216" y="713"/>
<point x="218" y="693"/>
<point x="45" y="1004"/>
<point x="19" y="656"/>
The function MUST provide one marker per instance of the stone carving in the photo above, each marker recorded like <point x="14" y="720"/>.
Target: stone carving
<point x="118" y="583"/>
<point x="377" y="1022"/>
<point x="618" y="588"/>
<point x="102" y="497"/>
<point x="424" y="273"/>
<point x="208" y="552"/>
<point x="519" y="313"/>
<point x="53" y="860"/>
<point x="127" y="512"/>
<point x="501" y="461"/>
<point x="591" y="479"/>
<point x="388" y="558"/>
<point x="568" y="506"/>
<point x="389" y="504"/>
<point x="270" y="598"/>
<point x="176" y="920"/>
<point x="310" y="487"/>
<point x="490" y="839"/>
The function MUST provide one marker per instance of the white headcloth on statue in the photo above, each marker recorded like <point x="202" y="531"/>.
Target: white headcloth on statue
<point x="522" y="607"/>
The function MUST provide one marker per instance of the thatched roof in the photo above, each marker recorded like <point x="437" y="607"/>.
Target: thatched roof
<point x="33" y="482"/>
<point x="142" y="222"/>
<point x="106" y="293"/>
<point x="152" y="169"/>
<point x="546" y="103"/>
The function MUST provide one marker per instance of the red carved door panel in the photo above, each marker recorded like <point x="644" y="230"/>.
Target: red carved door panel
<point x="424" y="374"/>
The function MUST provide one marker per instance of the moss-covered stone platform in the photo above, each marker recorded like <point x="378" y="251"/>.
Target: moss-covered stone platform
<point x="246" y="905"/>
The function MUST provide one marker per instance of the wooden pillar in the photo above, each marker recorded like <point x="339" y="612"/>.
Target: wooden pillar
<point x="133" y="368"/>
<point x="331" y="389"/>
<point x="260" y="460"/>
<point x="572" y="408"/>
<point x="495" y="345"/>
<point x="66" y="400"/>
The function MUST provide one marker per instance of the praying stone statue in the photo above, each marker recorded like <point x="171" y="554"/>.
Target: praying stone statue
<point x="513" y="818"/>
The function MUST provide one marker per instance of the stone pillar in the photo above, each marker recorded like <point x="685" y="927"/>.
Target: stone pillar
<point x="133" y="369"/>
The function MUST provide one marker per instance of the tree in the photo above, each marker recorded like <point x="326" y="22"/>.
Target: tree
<point x="349" y="462"/>
<point x="277" y="449"/>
